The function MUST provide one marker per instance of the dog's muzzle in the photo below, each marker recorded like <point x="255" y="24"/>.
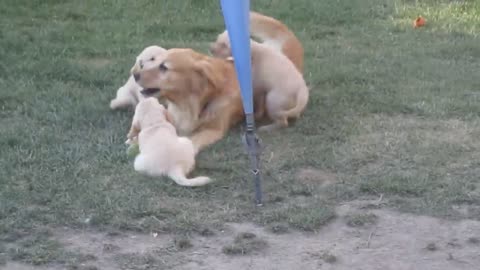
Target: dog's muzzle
<point x="147" y="92"/>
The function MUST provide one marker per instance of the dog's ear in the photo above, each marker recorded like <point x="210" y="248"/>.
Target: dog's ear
<point x="211" y="71"/>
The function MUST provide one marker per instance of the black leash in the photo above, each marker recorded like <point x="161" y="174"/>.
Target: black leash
<point x="252" y="146"/>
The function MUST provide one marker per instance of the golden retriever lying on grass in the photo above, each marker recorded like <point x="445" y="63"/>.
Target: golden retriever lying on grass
<point x="191" y="82"/>
<point x="162" y="151"/>
<point x="202" y="92"/>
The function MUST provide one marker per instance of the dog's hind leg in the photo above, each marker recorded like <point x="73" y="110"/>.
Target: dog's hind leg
<point x="140" y="164"/>
<point x="177" y="174"/>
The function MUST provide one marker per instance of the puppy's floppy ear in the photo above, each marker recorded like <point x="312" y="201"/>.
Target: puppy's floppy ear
<point x="211" y="71"/>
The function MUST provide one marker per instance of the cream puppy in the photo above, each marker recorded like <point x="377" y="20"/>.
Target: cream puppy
<point x="129" y="94"/>
<point x="279" y="87"/>
<point x="162" y="151"/>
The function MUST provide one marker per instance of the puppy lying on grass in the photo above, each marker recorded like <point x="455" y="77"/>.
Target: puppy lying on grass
<point x="162" y="151"/>
<point x="279" y="87"/>
<point x="129" y="94"/>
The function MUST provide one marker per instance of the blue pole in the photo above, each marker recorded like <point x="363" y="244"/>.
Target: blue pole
<point x="236" y="14"/>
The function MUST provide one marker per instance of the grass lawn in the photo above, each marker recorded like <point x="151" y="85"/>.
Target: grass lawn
<point x="394" y="112"/>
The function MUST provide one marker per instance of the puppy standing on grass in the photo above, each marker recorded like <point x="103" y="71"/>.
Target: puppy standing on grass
<point x="162" y="151"/>
<point x="277" y="82"/>
<point x="129" y="94"/>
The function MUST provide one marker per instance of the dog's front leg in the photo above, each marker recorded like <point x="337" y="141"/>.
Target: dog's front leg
<point x="206" y="137"/>
<point x="133" y="133"/>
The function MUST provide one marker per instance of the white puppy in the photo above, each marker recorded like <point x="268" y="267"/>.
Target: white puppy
<point x="162" y="151"/>
<point x="129" y="94"/>
<point x="279" y="88"/>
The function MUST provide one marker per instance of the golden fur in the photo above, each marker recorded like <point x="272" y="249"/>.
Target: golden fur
<point x="277" y="36"/>
<point x="273" y="33"/>
<point x="279" y="88"/>
<point x="202" y="93"/>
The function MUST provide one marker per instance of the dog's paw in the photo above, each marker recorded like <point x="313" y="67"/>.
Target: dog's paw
<point x="113" y="104"/>
<point x="117" y="104"/>
<point x="120" y="103"/>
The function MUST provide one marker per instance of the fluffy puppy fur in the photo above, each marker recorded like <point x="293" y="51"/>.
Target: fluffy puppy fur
<point x="202" y="93"/>
<point x="162" y="151"/>
<point x="129" y="94"/>
<point x="277" y="84"/>
<point x="272" y="33"/>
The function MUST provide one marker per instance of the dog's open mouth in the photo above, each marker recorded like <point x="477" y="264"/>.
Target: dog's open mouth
<point x="150" y="91"/>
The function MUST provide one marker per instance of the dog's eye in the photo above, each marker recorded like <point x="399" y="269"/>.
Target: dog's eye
<point x="163" y="67"/>
<point x="152" y="59"/>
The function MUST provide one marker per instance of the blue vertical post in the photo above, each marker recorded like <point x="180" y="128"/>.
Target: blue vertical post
<point x="236" y="14"/>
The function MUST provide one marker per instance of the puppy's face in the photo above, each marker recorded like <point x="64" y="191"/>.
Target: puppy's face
<point x="177" y="73"/>
<point x="148" y="58"/>
<point x="221" y="47"/>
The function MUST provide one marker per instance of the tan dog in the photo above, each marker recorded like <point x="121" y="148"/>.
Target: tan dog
<point x="272" y="33"/>
<point x="162" y="152"/>
<point x="202" y="93"/>
<point x="129" y="94"/>
<point x="277" y="83"/>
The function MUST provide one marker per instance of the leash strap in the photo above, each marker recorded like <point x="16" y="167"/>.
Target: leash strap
<point x="252" y="145"/>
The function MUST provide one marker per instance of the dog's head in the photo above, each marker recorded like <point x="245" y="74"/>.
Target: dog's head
<point x="149" y="112"/>
<point x="179" y="73"/>
<point x="221" y="47"/>
<point x="148" y="59"/>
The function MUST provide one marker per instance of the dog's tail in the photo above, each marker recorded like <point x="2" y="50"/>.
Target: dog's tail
<point x="277" y="35"/>
<point x="302" y="100"/>
<point x="179" y="177"/>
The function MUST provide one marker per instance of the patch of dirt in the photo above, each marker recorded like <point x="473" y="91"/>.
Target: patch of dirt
<point x="109" y="247"/>
<point x="22" y="266"/>
<point x="404" y="241"/>
<point x="396" y="239"/>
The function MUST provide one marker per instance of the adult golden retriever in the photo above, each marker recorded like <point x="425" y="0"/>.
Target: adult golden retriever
<point x="202" y="93"/>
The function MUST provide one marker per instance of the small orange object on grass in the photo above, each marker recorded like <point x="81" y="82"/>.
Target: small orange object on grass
<point x="419" y="22"/>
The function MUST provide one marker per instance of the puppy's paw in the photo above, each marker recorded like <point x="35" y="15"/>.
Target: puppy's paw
<point x="114" y="104"/>
<point x="118" y="104"/>
<point x="132" y="140"/>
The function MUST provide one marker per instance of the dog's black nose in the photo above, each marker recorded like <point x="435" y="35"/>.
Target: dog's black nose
<point x="136" y="76"/>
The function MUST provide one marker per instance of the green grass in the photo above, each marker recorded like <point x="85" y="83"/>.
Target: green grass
<point x="393" y="111"/>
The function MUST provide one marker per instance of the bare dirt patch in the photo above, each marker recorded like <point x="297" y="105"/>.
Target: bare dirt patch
<point x="401" y="240"/>
<point x="22" y="266"/>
